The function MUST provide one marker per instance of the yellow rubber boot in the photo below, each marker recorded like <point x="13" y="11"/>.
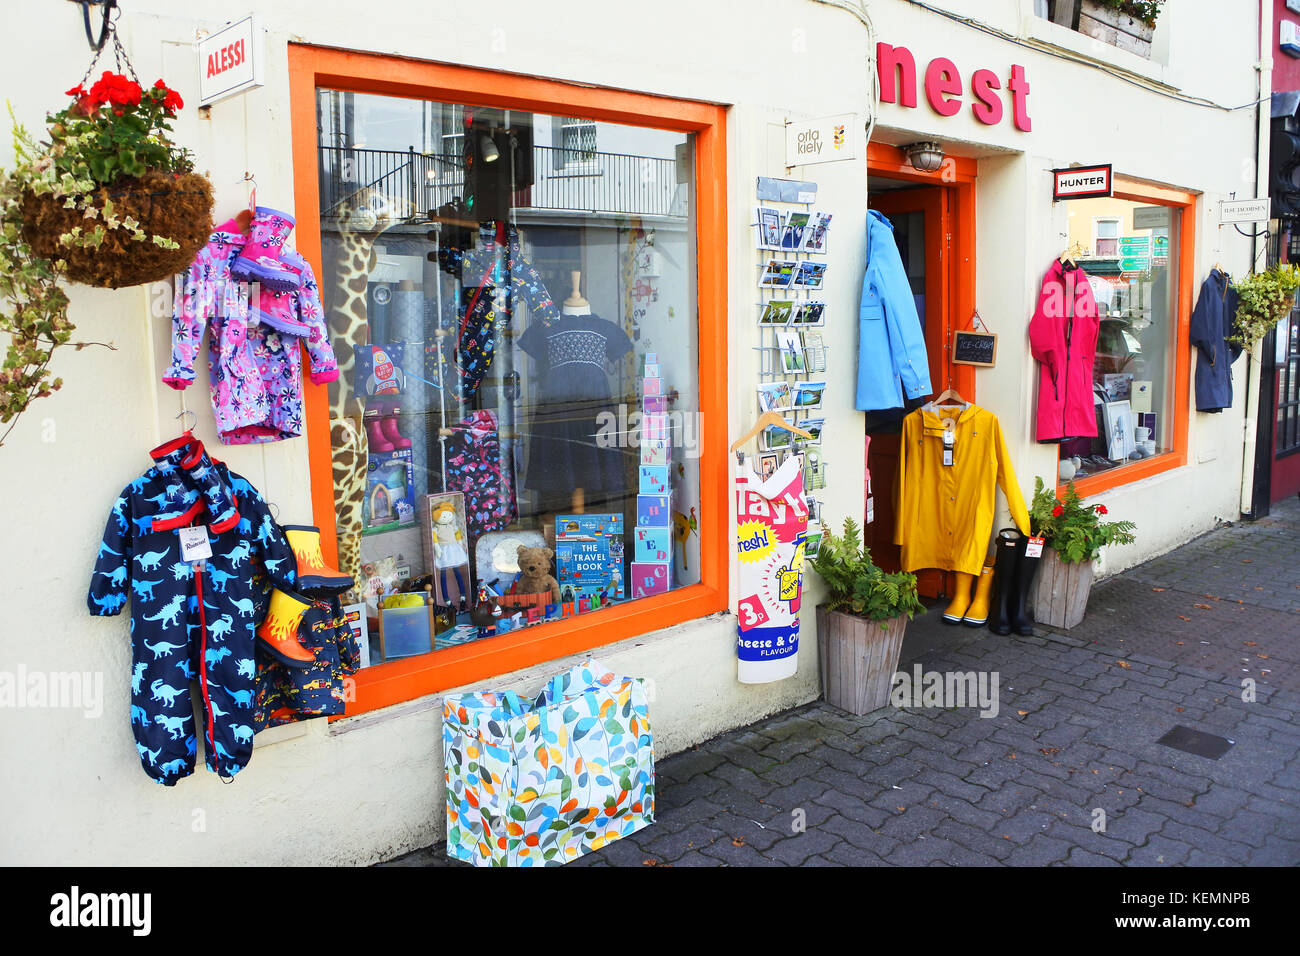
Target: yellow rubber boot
<point x="956" y="610"/>
<point x="977" y="615"/>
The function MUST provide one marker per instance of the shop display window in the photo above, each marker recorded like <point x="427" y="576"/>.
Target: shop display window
<point x="1129" y="249"/>
<point x="514" y="437"/>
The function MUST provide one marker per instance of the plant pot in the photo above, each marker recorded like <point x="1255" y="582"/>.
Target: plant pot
<point x="1115" y="27"/>
<point x="858" y="659"/>
<point x="178" y="207"/>
<point x="1061" y="590"/>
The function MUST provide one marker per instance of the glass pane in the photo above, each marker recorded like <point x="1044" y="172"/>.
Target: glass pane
<point x="1134" y="282"/>
<point x="518" y="351"/>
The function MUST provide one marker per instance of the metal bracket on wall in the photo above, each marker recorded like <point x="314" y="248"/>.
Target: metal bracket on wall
<point x="106" y="22"/>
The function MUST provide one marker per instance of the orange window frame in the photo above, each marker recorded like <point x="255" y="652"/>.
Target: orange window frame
<point x="311" y="68"/>
<point x="1135" y="190"/>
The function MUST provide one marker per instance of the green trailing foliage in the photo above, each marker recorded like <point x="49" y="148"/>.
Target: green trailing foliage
<point x="1263" y="298"/>
<point x="1076" y="533"/>
<point x="1148" y="11"/>
<point x="856" y="585"/>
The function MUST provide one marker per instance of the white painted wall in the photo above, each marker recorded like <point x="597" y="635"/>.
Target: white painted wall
<point x="369" y="788"/>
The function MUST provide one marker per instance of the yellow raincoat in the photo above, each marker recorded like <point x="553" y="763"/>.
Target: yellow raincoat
<point x="945" y="512"/>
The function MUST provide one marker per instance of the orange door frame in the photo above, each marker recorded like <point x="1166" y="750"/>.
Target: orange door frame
<point x="311" y="68"/>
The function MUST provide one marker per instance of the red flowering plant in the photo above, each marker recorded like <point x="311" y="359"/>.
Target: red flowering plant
<point x="115" y="129"/>
<point x="1072" y="530"/>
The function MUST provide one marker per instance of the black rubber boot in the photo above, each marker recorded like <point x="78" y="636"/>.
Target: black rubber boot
<point x="1021" y="622"/>
<point x="1004" y="580"/>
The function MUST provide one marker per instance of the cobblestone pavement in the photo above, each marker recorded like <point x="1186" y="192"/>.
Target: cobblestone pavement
<point x="1164" y="644"/>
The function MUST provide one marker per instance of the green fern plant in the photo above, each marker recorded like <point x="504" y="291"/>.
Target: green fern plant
<point x="855" y="585"/>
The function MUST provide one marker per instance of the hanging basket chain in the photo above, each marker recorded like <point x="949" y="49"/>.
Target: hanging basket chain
<point x="120" y="58"/>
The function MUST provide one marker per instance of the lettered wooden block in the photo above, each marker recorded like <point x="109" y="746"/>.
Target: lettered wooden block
<point x="654" y="452"/>
<point x="653" y="480"/>
<point x="649" y="578"/>
<point x="654" y="511"/>
<point x="652" y="544"/>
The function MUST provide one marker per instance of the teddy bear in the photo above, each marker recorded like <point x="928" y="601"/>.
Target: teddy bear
<point x="535" y="573"/>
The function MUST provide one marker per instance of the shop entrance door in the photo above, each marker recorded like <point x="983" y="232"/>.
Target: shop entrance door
<point x="933" y="242"/>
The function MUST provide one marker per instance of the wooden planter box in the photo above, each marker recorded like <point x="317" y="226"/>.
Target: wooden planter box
<point x="1116" y="28"/>
<point x="858" y="659"/>
<point x="1061" y="590"/>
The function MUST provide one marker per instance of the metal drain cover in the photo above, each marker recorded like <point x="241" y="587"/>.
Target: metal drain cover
<point x="1196" y="742"/>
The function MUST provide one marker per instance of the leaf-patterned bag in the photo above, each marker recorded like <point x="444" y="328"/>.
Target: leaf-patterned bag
<point x="541" y="783"/>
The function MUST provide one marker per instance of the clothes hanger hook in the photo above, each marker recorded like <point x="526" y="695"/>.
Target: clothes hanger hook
<point x="181" y="416"/>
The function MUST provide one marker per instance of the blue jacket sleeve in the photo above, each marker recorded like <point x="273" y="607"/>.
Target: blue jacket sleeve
<point x="906" y="341"/>
<point x="1203" y="327"/>
<point x="111" y="579"/>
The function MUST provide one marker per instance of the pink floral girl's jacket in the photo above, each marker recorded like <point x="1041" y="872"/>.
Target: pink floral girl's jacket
<point x="256" y="370"/>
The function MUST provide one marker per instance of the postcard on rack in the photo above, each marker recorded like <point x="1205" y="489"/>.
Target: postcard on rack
<point x="810" y="275"/>
<point x="810" y="312"/>
<point x="769" y="222"/>
<point x="812" y="426"/>
<point x="778" y="273"/>
<point x="814" y="235"/>
<point x="792" y="236"/>
<point x="776" y="312"/>
<point x="814" y="351"/>
<point x="807" y="394"/>
<point x="774" y="396"/>
<point x="791" y="346"/>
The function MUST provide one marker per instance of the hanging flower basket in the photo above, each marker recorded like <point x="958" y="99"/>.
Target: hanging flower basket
<point x="177" y="206"/>
<point x="109" y="193"/>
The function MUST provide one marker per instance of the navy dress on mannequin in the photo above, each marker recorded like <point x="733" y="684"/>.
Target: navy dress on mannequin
<point x="573" y="391"/>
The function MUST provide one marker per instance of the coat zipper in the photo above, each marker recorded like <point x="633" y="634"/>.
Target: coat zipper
<point x="203" y="660"/>
<point x="1069" y="331"/>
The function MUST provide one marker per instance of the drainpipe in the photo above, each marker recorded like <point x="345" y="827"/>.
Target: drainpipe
<point x="1250" y="425"/>
<point x="859" y="9"/>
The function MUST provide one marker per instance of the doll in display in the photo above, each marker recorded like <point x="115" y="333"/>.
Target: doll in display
<point x="449" y="551"/>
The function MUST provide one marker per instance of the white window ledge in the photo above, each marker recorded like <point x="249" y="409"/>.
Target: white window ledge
<point x="1053" y="34"/>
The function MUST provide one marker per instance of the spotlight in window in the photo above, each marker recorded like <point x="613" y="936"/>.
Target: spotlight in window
<point x="488" y="148"/>
<point x="925" y="157"/>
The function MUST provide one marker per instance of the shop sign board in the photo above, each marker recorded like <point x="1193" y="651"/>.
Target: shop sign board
<point x="824" y="140"/>
<point x="1245" y="210"/>
<point x="1082" y="182"/>
<point x="1151" y="217"/>
<point x="231" y="61"/>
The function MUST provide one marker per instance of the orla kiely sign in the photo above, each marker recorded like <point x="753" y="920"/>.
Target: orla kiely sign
<point x="1081" y="182"/>
<point x="821" y="140"/>
<point x="231" y="61"/>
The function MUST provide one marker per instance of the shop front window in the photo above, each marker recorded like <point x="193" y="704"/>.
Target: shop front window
<point x="514" y="435"/>
<point x="1134" y="274"/>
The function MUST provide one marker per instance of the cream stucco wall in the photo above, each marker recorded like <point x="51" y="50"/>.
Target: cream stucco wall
<point x="370" y="787"/>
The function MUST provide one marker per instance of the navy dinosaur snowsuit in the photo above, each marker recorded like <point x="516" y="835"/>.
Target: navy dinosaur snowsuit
<point x="189" y="620"/>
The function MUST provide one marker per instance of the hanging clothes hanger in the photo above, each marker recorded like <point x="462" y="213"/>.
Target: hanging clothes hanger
<point x="764" y="420"/>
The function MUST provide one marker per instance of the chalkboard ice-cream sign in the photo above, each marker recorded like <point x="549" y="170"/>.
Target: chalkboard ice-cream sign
<point x="974" y="348"/>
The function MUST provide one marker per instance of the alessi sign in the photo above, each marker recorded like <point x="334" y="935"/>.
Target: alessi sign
<point x="230" y="61"/>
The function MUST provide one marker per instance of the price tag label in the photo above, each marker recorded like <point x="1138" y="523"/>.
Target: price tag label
<point x="195" y="545"/>
<point x="871" y="510"/>
<point x="1034" y="549"/>
<point x="947" y="457"/>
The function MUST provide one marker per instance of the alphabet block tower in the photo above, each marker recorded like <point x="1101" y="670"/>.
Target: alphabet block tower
<point x="652" y="554"/>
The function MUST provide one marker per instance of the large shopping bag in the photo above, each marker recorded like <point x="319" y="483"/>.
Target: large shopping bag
<point x="540" y="783"/>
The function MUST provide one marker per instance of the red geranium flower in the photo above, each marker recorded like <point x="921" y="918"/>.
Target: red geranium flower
<point x="76" y="91"/>
<point x="116" y="89"/>
<point x="1058" y="511"/>
<point x="1100" y="509"/>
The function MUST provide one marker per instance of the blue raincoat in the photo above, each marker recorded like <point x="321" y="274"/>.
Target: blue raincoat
<point x="1210" y="327"/>
<point x="891" y="343"/>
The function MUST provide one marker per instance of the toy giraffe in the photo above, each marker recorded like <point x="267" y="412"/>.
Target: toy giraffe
<point x="358" y="228"/>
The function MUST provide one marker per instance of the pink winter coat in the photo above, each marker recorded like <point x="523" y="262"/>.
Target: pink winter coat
<point x="1063" y="337"/>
